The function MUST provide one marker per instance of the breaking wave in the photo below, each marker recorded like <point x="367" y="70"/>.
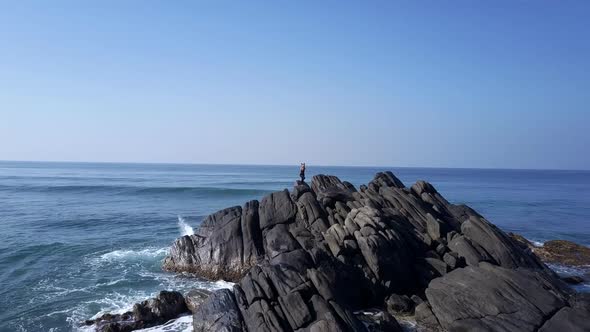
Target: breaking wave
<point x="185" y="229"/>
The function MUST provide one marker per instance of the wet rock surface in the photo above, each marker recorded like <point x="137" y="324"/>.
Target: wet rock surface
<point x="155" y="311"/>
<point x="313" y="258"/>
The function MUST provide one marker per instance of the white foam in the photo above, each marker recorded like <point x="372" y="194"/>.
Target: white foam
<point x="125" y="254"/>
<point x="408" y="323"/>
<point x="537" y="243"/>
<point x="180" y="324"/>
<point x="116" y="303"/>
<point x="564" y="270"/>
<point x="185" y="229"/>
<point x="219" y="284"/>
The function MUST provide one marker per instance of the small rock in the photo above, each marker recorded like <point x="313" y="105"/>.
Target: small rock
<point x="573" y="280"/>
<point x="195" y="297"/>
<point x="451" y="260"/>
<point x="416" y="299"/>
<point x="399" y="304"/>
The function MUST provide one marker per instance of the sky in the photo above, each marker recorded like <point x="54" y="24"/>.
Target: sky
<point x="483" y="84"/>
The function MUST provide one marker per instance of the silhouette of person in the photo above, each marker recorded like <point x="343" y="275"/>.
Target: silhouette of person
<point x="302" y="172"/>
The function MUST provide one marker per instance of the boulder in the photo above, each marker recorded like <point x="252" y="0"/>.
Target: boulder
<point x="155" y="311"/>
<point x="218" y="313"/>
<point x="195" y="297"/>
<point x="492" y="298"/>
<point x="276" y="208"/>
<point x="399" y="305"/>
<point x="568" y="319"/>
<point x="215" y="251"/>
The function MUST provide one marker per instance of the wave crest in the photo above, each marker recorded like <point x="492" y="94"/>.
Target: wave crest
<point x="185" y="229"/>
<point x="125" y="254"/>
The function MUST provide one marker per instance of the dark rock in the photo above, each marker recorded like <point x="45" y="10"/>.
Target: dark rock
<point x="215" y="251"/>
<point x="426" y="319"/>
<point x="580" y="301"/>
<point x="470" y="253"/>
<point x="568" y="319"/>
<point x="251" y="235"/>
<point x="498" y="244"/>
<point x="573" y="280"/>
<point x="451" y="260"/>
<point x="416" y="299"/>
<point x="493" y="298"/>
<point x="432" y="227"/>
<point x="307" y="260"/>
<point x="218" y="313"/>
<point x="195" y="297"/>
<point x="299" y="189"/>
<point x="297" y="312"/>
<point x="165" y="306"/>
<point x="152" y="312"/>
<point x="399" y="304"/>
<point x="276" y="208"/>
<point x="329" y="190"/>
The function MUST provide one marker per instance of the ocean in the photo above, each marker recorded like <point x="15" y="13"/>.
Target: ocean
<point x="81" y="239"/>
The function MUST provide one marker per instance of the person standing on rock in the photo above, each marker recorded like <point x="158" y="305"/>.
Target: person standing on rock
<point x="302" y="172"/>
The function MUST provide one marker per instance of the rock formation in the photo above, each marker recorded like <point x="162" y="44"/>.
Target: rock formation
<point x="562" y="252"/>
<point x="151" y="312"/>
<point x="309" y="259"/>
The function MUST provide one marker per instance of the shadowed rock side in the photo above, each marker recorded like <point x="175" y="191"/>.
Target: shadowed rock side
<point x="306" y="260"/>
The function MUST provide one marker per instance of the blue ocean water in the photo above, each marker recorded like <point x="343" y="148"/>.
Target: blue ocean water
<point x="79" y="239"/>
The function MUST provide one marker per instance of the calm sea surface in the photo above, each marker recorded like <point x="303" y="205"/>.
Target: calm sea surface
<point x="78" y="239"/>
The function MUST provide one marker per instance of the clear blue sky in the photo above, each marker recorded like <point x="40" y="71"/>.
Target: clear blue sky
<point x="399" y="83"/>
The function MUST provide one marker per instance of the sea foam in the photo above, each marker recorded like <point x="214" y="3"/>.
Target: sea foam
<point x="185" y="229"/>
<point x="124" y="254"/>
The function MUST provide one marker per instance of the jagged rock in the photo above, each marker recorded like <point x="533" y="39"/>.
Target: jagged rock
<point x="493" y="298"/>
<point x="580" y="301"/>
<point x="471" y="253"/>
<point x="215" y="251"/>
<point x="218" y="313"/>
<point x="573" y="280"/>
<point x="195" y="297"/>
<point x="451" y="260"/>
<point x="308" y="259"/>
<point x="165" y="306"/>
<point x="155" y="311"/>
<point x="399" y="304"/>
<point x="498" y="244"/>
<point x="426" y="319"/>
<point x="276" y="208"/>
<point x="568" y="319"/>
<point x="416" y="299"/>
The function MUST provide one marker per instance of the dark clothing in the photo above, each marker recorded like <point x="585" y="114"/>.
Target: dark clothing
<point x="302" y="176"/>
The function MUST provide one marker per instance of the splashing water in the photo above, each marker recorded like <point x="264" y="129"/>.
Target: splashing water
<point x="185" y="229"/>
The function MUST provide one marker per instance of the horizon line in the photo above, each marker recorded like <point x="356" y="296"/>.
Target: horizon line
<point x="287" y="165"/>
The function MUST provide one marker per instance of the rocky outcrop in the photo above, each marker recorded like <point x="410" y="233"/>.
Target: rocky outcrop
<point x="499" y="299"/>
<point x="218" y="313"/>
<point x="152" y="312"/>
<point x="315" y="258"/>
<point x="558" y="251"/>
